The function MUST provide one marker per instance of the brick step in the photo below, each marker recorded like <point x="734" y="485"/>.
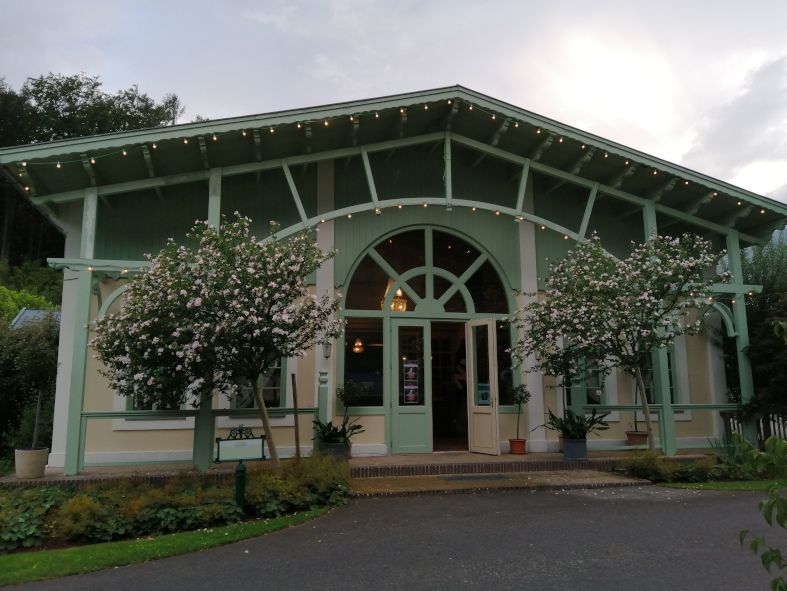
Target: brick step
<point x="499" y="467"/>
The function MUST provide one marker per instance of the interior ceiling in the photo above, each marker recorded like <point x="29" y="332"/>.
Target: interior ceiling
<point x="72" y="165"/>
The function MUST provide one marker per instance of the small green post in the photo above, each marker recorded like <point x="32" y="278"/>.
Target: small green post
<point x="667" y="431"/>
<point x="240" y="485"/>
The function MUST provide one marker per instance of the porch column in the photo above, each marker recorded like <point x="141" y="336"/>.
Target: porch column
<point x="745" y="378"/>
<point x="325" y="282"/>
<point x="205" y="422"/>
<point x="529" y="277"/>
<point x="667" y="435"/>
<point x="81" y="315"/>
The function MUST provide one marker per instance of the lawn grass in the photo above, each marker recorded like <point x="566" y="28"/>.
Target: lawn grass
<point x="46" y="564"/>
<point x="756" y="485"/>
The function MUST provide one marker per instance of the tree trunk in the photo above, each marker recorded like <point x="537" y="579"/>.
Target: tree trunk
<point x="37" y="420"/>
<point x="266" y="426"/>
<point x="297" y="417"/>
<point x="646" y="411"/>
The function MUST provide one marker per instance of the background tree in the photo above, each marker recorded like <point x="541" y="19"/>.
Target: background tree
<point x="766" y="266"/>
<point x="28" y="366"/>
<point x="54" y="107"/>
<point x="605" y="312"/>
<point x="209" y="317"/>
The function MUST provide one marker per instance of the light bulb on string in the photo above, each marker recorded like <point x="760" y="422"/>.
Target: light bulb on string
<point x="185" y="140"/>
<point x="92" y="160"/>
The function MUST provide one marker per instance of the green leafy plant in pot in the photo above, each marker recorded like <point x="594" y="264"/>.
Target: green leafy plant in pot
<point x="336" y="439"/>
<point x="521" y="397"/>
<point x="574" y="429"/>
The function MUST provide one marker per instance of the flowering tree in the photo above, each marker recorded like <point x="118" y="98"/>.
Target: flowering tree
<point x="603" y="312"/>
<point x="207" y="317"/>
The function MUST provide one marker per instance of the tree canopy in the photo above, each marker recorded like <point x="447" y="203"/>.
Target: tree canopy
<point x="205" y="318"/>
<point x="54" y="107"/>
<point x="602" y="312"/>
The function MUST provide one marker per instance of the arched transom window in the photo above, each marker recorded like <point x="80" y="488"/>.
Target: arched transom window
<point x="426" y="270"/>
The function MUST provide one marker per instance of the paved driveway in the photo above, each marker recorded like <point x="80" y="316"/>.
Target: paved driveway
<point x="608" y="539"/>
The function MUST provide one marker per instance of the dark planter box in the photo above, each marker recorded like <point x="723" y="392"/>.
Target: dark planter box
<point x="339" y="450"/>
<point x="575" y="449"/>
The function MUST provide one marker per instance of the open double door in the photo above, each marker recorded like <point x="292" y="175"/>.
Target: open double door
<point x="411" y="373"/>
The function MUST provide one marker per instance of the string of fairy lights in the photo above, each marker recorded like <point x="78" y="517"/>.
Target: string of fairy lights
<point x="325" y="122"/>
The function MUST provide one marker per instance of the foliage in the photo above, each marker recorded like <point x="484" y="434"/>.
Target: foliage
<point x="12" y="302"/>
<point x="773" y="510"/>
<point x="206" y="317"/>
<point x="521" y="396"/>
<point x="83" y="518"/>
<point x="23" y="516"/>
<point x="656" y="468"/>
<point x="28" y="368"/>
<point x="765" y="311"/>
<point x="304" y="484"/>
<point x="348" y="394"/>
<point x="610" y="312"/>
<point x="739" y="460"/>
<point x="22" y="567"/>
<point x="573" y="426"/>
<point x="132" y="507"/>
<point x="33" y="277"/>
<point x="56" y="106"/>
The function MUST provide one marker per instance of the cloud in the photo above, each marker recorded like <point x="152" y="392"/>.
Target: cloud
<point x="745" y="139"/>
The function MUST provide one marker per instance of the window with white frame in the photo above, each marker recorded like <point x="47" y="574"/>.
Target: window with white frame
<point x="272" y="388"/>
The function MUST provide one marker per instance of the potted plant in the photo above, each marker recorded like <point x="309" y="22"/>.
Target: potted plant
<point x="336" y="439"/>
<point x="32" y="347"/>
<point x="574" y="430"/>
<point x="521" y="397"/>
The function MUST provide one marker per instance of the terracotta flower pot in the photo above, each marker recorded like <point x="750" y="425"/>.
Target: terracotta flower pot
<point x="30" y="463"/>
<point x="636" y="437"/>
<point x="518" y="446"/>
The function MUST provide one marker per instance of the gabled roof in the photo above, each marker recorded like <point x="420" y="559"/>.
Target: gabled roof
<point x="57" y="172"/>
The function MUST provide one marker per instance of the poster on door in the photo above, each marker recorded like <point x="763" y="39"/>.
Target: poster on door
<point x="410" y="391"/>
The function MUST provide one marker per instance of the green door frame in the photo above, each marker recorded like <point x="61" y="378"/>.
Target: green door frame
<point x="411" y="426"/>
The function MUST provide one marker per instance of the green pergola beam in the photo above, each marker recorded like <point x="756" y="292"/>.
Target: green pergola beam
<point x="237" y="169"/>
<point x="583" y="227"/>
<point x="369" y="177"/>
<point x="294" y="191"/>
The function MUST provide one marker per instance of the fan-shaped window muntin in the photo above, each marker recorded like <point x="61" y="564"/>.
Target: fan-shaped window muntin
<point x="376" y="285"/>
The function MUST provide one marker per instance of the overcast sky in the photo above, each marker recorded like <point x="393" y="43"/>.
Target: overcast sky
<point x="702" y="83"/>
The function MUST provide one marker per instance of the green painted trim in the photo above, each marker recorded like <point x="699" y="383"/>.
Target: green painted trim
<point x="74" y="437"/>
<point x="214" y="197"/>
<point x="524" y="179"/>
<point x="111" y="300"/>
<point x="89" y="219"/>
<point x="294" y="191"/>
<point x="237" y="169"/>
<point x="204" y="434"/>
<point x="583" y="227"/>
<point x="385" y="266"/>
<point x="369" y="177"/>
<point x="99" y="265"/>
<point x="448" y="179"/>
<point x="735" y="288"/>
<point x="667" y="431"/>
<point x="322" y="397"/>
